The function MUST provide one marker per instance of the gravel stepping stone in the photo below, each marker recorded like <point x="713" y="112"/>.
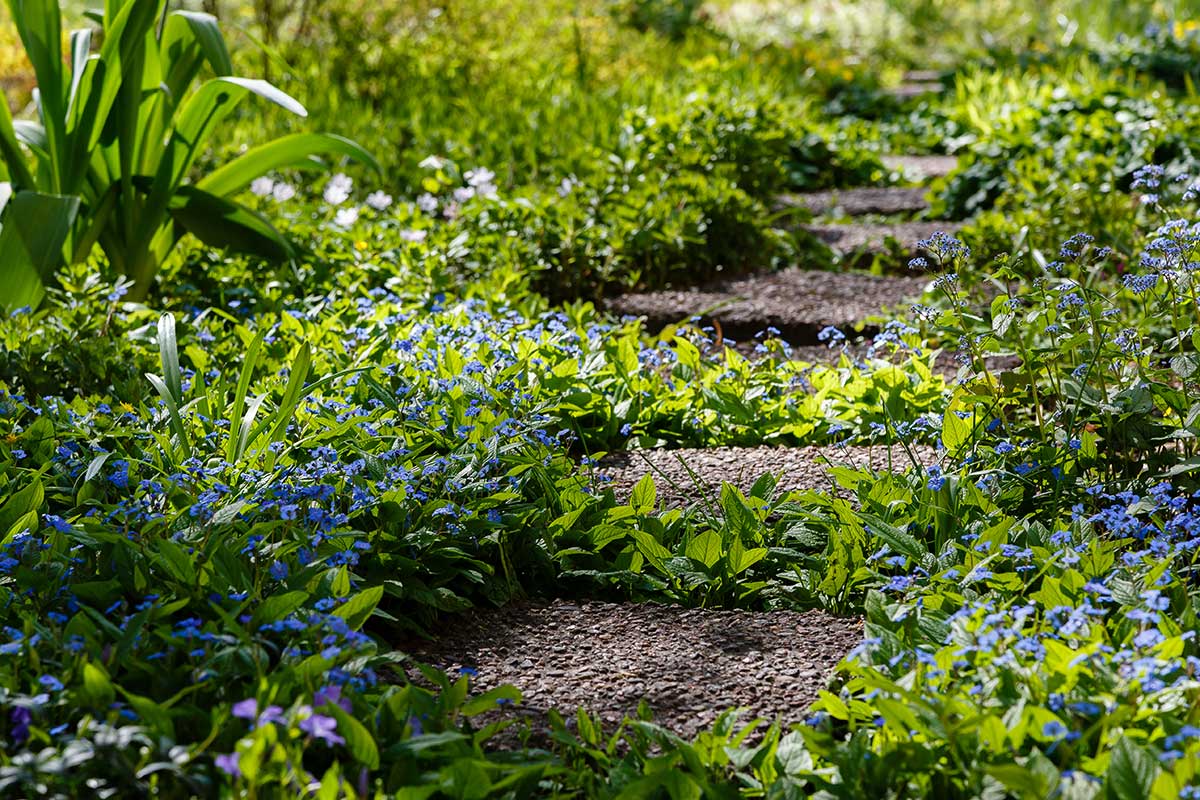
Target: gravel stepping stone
<point x="922" y="168"/>
<point x="687" y="664"/>
<point x="923" y="76"/>
<point x="915" y="89"/>
<point x="798" y="302"/>
<point x="862" y="243"/>
<point x="887" y="200"/>
<point x="691" y="477"/>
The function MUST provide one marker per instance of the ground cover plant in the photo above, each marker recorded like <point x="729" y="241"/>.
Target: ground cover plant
<point x="234" y="479"/>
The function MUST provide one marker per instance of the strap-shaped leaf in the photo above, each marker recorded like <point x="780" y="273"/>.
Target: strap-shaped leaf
<point x="235" y="446"/>
<point x="207" y="32"/>
<point x="31" y="241"/>
<point x="281" y="152"/>
<point x="10" y="152"/>
<point x="168" y="352"/>
<point x="126" y="26"/>
<point x="201" y="113"/>
<point x="220" y="222"/>
<point x="81" y="48"/>
<point x="39" y="24"/>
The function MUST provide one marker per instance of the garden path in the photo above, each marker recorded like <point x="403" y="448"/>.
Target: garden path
<point x="693" y="477"/>
<point x="687" y="664"/>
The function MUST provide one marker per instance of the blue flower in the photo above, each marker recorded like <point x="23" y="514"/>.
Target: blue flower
<point x="228" y="763"/>
<point x="50" y="682"/>
<point x="322" y="727"/>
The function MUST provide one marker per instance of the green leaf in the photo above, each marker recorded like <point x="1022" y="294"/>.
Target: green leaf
<point x="237" y="444"/>
<point x="10" y="153"/>
<point x="199" y="115"/>
<point x="644" y="495"/>
<point x="357" y="609"/>
<point x="278" y="606"/>
<point x="207" y="32"/>
<point x="176" y="421"/>
<point x="151" y="713"/>
<point x="282" y="152"/>
<point x="35" y="226"/>
<point x="490" y="699"/>
<point x="292" y="393"/>
<point x="705" y="548"/>
<point x="898" y="540"/>
<point x="39" y="24"/>
<point x="1023" y="782"/>
<point x="955" y="431"/>
<point x="17" y="507"/>
<point x="168" y="352"/>
<point x="98" y="690"/>
<point x="358" y="739"/>
<point x="177" y="562"/>
<point x="223" y="223"/>
<point x="1131" y="772"/>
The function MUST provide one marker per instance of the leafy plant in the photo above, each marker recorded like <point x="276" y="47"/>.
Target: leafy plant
<point x="109" y="160"/>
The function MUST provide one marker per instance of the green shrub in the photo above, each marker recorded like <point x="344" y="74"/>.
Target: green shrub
<point x="109" y="161"/>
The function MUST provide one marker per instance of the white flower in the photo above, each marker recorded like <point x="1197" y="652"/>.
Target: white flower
<point x="432" y="162"/>
<point x="282" y="192"/>
<point x="567" y="186"/>
<point x="337" y="191"/>
<point x="346" y="217"/>
<point x="427" y="203"/>
<point x="487" y="190"/>
<point x="262" y="186"/>
<point x="379" y="200"/>
<point x="464" y="193"/>
<point x="479" y="177"/>
<point x="413" y="235"/>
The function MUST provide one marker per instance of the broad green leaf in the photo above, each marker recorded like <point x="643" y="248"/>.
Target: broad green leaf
<point x="357" y="609"/>
<point x="220" y="222"/>
<point x="900" y="541"/>
<point x="97" y="688"/>
<point x="705" y="548"/>
<point x="158" y="717"/>
<point x="358" y="739"/>
<point x="15" y="508"/>
<point x="490" y="699"/>
<point x="955" y="431"/>
<point x="35" y="226"/>
<point x="177" y="562"/>
<point x="282" y="152"/>
<point x="644" y="495"/>
<point x="278" y="606"/>
<point x="1131" y="771"/>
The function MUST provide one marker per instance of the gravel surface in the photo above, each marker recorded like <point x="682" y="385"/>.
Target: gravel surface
<point x="798" y="302"/>
<point x="922" y="168"/>
<point x="688" y="664"/>
<point x="923" y="75"/>
<point x="686" y="477"/>
<point x="888" y="200"/>
<point x="863" y="242"/>
<point x="914" y="89"/>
